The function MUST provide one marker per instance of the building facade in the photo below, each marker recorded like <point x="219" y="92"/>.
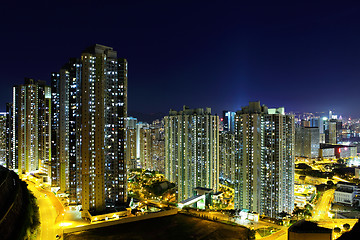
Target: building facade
<point x="31" y="127"/>
<point x="103" y="120"/>
<point x="307" y="142"/>
<point x="192" y="150"/>
<point x="3" y="139"/>
<point x="66" y="129"/>
<point x="89" y="112"/>
<point x="227" y="156"/>
<point x="264" y="175"/>
<point x="131" y="143"/>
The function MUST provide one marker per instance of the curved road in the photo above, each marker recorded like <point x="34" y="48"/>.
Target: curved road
<point x="48" y="213"/>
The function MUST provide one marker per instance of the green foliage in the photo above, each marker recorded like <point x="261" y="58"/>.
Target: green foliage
<point x="251" y="234"/>
<point x="30" y="219"/>
<point x="34" y="213"/>
<point x="302" y="177"/>
<point x="158" y="188"/>
<point x="346" y="226"/>
<point x="302" y="213"/>
<point x="283" y="214"/>
<point x="308" y="207"/>
<point x="303" y="166"/>
<point x="330" y="183"/>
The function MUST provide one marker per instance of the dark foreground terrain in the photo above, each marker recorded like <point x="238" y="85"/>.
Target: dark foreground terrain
<point x="173" y="227"/>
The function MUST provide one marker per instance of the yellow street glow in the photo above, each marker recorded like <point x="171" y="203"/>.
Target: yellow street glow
<point x="65" y="224"/>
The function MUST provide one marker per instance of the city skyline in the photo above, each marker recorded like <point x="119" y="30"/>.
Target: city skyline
<point x="119" y="115"/>
<point x="199" y="48"/>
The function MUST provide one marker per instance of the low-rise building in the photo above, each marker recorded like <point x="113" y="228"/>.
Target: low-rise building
<point x="308" y="230"/>
<point x="337" y="151"/>
<point x="347" y="193"/>
<point x="304" y="194"/>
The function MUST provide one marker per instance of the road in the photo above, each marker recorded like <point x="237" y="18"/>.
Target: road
<point x="48" y="213"/>
<point x="322" y="208"/>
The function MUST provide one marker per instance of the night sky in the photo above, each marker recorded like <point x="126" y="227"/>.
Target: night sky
<point x="220" y="55"/>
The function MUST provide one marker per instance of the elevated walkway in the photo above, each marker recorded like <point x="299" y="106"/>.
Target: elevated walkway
<point x="195" y="199"/>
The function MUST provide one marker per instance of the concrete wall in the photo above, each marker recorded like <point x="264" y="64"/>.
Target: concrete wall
<point x="306" y="236"/>
<point x="122" y="221"/>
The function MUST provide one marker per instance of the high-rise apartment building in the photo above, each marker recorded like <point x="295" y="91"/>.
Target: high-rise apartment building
<point x="264" y="175"/>
<point x="131" y="143"/>
<point x="151" y="145"/>
<point x="66" y="128"/>
<point x="158" y="145"/>
<point x="3" y="139"/>
<point x="89" y="112"/>
<point x="145" y="140"/>
<point x="228" y="121"/>
<point x="192" y="150"/>
<point x="55" y="112"/>
<point x="103" y="128"/>
<point x="31" y="126"/>
<point x="227" y="156"/>
<point x="11" y="162"/>
<point x="145" y="145"/>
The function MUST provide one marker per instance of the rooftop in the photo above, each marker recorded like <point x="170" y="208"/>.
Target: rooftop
<point x="344" y="189"/>
<point x="308" y="227"/>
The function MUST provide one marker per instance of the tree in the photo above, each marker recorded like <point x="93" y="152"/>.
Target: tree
<point x="346" y="226"/>
<point x="308" y="207"/>
<point x="251" y="234"/>
<point x="297" y="211"/>
<point x="307" y="213"/>
<point x="302" y="177"/>
<point x="283" y="214"/>
<point x="337" y="230"/>
<point x="330" y="183"/>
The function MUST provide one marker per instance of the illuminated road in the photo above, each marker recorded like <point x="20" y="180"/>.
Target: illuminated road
<point x="48" y="213"/>
<point x="323" y="206"/>
<point x="339" y="179"/>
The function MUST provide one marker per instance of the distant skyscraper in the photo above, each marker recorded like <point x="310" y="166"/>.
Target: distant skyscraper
<point x="32" y="127"/>
<point x="131" y="143"/>
<point x="330" y="132"/>
<point x="307" y="142"/>
<point x="192" y="150"/>
<point x="151" y="145"/>
<point x="103" y="131"/>
<point x="264" y="176"/>
<point x="158" y="146"/>
<point x="145" y="147"/>
<point x="229" y="121"/>
<point x="131" y="122"/>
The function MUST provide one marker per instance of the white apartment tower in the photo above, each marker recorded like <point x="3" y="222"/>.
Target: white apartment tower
<point x="264" y="177"/>
<point x="31" y="127"/>
<point x="192" y="150"/>
<point x="103" y="131"/>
